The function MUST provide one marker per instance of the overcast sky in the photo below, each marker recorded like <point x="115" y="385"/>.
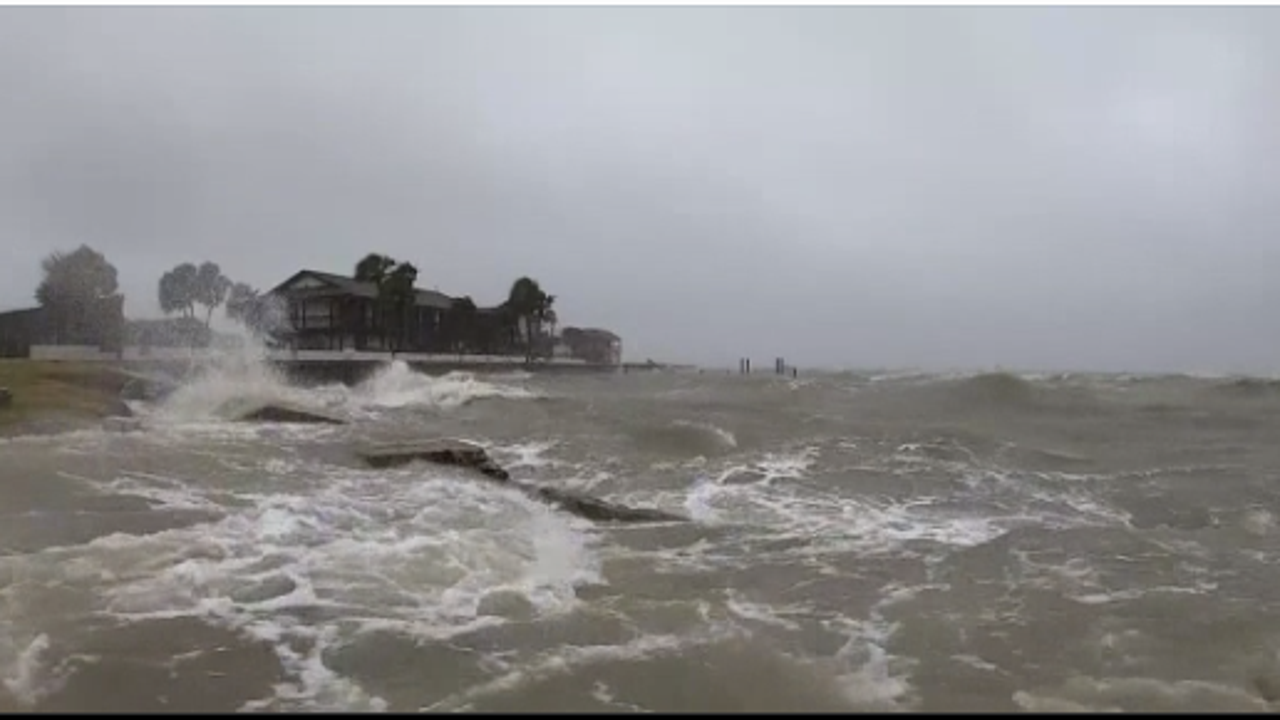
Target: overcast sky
<point x="1074" y="188"/>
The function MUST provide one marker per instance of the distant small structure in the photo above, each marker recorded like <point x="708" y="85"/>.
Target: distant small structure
<point x="99" y="326"/>
<point x="593" y="345"/>
<point x="20" y="329"/>
<point x="780" y="367"/>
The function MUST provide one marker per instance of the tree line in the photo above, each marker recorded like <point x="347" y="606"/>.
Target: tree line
<point x="188" y="285"/>
<point x="81" y="291"/>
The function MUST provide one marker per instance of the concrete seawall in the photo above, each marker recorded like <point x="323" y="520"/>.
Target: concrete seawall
<point x="313" y="366"/>
<point x="351" y="372"/>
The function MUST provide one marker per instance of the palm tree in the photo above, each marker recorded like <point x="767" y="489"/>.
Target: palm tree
<point x="527" y="301"/>
<point x="398" y="288"/>
<point x="177" y="290"/>
<point x="461" y="324"/>
<point x="375" y="268"/>
<point x="547" y="319"/>
<point x="169" y="294"/>
<point x="502" y="329"/>
<point x="209" y="289"/>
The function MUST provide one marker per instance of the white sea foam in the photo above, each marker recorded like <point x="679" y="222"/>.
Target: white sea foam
<point x="246" y="374"/>
<point x="314" y="687"/>
<point x="397" y="385"/>
<point x="722" y="438"/>
<point x="526" y="455"/>
<point x="411" y="551"/>
<point x="1088" y="694"/>
<point x="60" y="442"/>
<point x="1259" y="522"/>
<point x="26" y="671"/>
<point x="874" y="678"/>
<point x="565" y="661"/>
<point x="760" y="613"/>
<point x="788" y="465"/>
<point x="831" y="519"/>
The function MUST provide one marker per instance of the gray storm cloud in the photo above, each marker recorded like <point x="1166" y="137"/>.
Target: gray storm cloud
<point x="1071" y="188"/>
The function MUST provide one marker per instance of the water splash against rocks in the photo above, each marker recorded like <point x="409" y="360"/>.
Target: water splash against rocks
<point x="246" y="374"/>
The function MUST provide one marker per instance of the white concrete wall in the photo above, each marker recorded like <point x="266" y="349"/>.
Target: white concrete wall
<point x="91" y="353"/>
<point x="77" y="353"/>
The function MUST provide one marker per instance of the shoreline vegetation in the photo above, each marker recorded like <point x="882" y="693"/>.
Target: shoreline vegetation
<point x="378" y="309"/>
<point x="50" y="397"/>
<point x="80" y="304"/>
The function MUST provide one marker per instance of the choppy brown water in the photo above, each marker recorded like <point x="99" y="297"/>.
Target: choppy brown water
<point x="916" y="543"/>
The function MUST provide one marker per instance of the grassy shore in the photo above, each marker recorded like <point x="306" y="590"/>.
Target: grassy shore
<point x="55" y="396"/>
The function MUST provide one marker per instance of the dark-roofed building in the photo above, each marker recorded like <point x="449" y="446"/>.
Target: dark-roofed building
<point x="99" y="324"/>
<point x="334" y="312"/>
<point x="20" y="329"/>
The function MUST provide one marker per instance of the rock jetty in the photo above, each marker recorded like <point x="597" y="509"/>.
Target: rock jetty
<point x="275" y="411"/>
<point x="460" y="453"/>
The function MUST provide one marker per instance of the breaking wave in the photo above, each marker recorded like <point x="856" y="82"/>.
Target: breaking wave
<point x="397" y="385"/>
<point x="995" y="389"/>
<point x="685" y="438"/>
<point x="1249" y="389"/>
<point x="248" y="376"/>
<point x="994" y="392"/>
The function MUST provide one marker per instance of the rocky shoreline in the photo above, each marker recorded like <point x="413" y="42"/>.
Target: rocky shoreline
<point x="107" y="390"/>
<point x="459" y="453"/>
